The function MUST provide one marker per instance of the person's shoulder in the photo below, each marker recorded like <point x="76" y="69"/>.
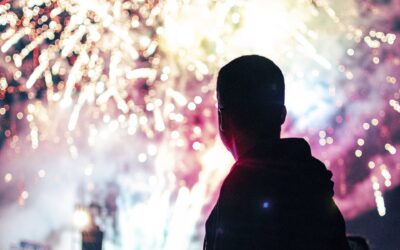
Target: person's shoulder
<point x="249" y="172"/>
<point x="297" y="149"/>
<point x="302" y="150"/>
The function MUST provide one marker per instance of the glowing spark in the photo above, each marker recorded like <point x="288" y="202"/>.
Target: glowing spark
<point x="81" y="218"/>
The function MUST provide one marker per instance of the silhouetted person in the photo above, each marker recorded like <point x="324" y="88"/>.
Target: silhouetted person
<point x="276" y="196"/>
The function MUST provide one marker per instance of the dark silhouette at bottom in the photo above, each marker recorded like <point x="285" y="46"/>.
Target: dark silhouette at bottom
<point x="277" y="195"/>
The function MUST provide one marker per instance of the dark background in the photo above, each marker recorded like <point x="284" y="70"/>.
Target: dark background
<point x="383" y="233"/>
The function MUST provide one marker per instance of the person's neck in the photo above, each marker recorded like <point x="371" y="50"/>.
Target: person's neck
<point x="243" y="144"/>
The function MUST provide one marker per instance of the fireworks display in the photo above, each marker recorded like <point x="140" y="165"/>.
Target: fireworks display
<point x="111" y="104"/>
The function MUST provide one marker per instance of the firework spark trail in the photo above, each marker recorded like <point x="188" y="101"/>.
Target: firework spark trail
<point x="144" y="69"/>
<point x="70" y="37"/>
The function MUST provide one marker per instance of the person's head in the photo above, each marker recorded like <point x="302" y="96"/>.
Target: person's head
<point x="250" y="93"/>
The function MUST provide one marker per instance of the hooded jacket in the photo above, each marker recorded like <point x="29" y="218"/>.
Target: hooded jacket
<point x="277" y="196"/>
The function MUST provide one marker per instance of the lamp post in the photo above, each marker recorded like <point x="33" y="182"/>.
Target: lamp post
<point x="91" y="235"/>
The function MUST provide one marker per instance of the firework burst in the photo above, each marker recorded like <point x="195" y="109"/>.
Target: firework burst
<point x="126" y="89"/>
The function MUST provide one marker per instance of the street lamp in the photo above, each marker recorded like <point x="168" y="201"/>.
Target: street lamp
<point x="81" y="218"/>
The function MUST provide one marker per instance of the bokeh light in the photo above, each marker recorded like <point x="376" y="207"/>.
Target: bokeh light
<point x="81" y="219"/>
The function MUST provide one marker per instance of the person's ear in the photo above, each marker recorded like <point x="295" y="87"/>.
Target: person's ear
<point x="220" y="121"/>
<point x="283" y="114"/>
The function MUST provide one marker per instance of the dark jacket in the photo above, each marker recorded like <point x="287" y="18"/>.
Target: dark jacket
<point x="277" y="196"/>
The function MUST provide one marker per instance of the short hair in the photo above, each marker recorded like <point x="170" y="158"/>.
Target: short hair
<point x="249" y="87"/>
